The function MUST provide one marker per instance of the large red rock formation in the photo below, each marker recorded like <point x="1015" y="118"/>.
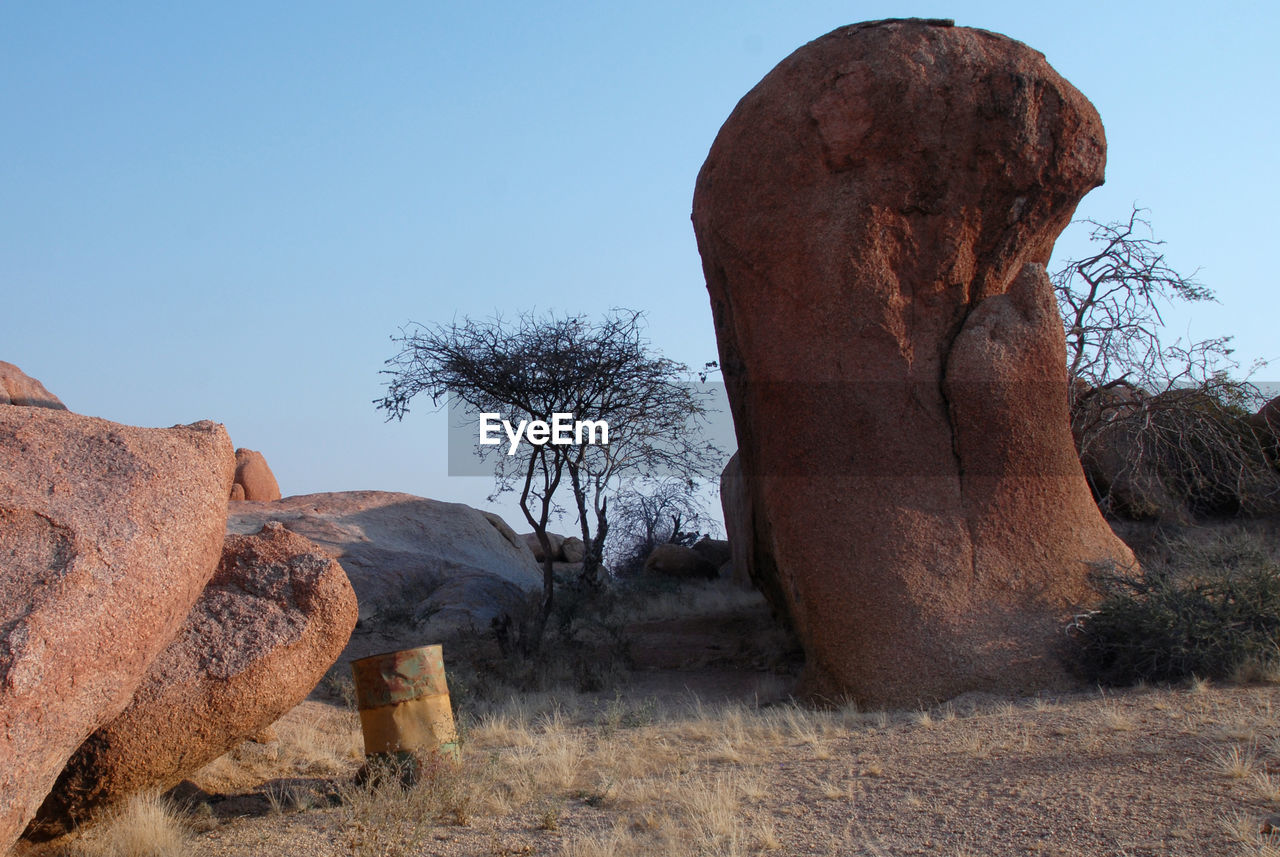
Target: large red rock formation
<point x="108" y="534"/>
<point x="274" y="617"/>
<point x="874" y="219"/>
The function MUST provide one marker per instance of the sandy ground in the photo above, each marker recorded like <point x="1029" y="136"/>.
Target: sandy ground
<point x="703" y="754"/>
<point x="1136" y="773"/>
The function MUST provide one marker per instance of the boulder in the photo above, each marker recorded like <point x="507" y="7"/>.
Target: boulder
<point x="421" y="569"/>
<point x="557" y="546"/>
<point x="572" y="549"/>
<point x="670" y="560"/>
<point x="565" y="571"/>
<point x="1266" y="426"/>
<point x="1177" y="457"/>
<point x="19" y="388"/>
<point x="874" y="219"/>
<point x="254" y="477"/>
<point x="714" y="551"/>
<point x="108" y="534"/>
<point x="1268" y="417"/>
<point x="1125" y="484"/>
<point x="274" y="617"/>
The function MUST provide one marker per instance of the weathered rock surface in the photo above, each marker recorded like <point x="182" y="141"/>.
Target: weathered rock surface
<point x="557" y="546"/>
<point x="669" y="560"/>
<point x="1268" y="417"/>
<point x="19" y="388"/>
<point x="421" y="569"/>
<point x="505" y="530"/>
<point x="735" y="503"/>
<point x="108" y="534"/>
<point x="1138" y="456"/>
<point x="254" y="477"/>
<point x="274" y="617"/>
<point x="1266" y="424"/>
<point x="572" y="549"/>
<point x="714" y="551"/>
<point x="874" y="219"/>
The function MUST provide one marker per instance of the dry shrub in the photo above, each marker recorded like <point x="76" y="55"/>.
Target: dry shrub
<point x="390" y="809"/>
<point x="1209" y="611"/>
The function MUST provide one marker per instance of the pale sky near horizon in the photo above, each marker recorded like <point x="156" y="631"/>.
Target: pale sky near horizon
<point x="224" y="211"/>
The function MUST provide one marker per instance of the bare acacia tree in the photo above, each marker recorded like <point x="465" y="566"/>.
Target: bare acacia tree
<point x="1156" y="418"/>
<point x="647" y="515"/>
<point x="535" y="367"/>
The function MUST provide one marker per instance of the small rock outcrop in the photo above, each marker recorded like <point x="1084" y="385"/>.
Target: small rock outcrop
<point x="19" y="388"/>
<point x="108" y="534"/>
<point x="254" y="480"/>
<point x="504" y="529"/>
<point x="555" y="540"/>
<point x="421" y="569"/>
<point x="1176" y="457"/>
<point x="874" y="219"/>
<point x="572" y="549"/>
<point x="1266" y="423"/>
<point x="1268" y="417"/>
<point x="564" y="549"/>
<point x="714" y="551"/>
<point x="740" y="528"/>
<point x="274" y="617"/>
<point x="670" y="560"/>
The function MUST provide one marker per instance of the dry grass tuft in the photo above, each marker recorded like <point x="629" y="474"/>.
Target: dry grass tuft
<point x="1266" y="787"/>
<point x="831" y="790"/>
<point x="391" y="812"/>
<point x="1236" y="762"/>
<point x="1113" y="719"/>
<point x="1241" y="827"/>
<point x="148" y="825"/>
<point x="872" y="768"/>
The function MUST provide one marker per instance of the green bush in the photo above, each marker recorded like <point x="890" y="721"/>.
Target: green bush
<point x="1171" y="622"/>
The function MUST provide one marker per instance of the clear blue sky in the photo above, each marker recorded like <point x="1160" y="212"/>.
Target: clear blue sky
<point x="224" y="210"/>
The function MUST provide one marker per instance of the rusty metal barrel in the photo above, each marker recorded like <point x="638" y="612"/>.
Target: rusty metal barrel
<point x="404" y="704"/>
